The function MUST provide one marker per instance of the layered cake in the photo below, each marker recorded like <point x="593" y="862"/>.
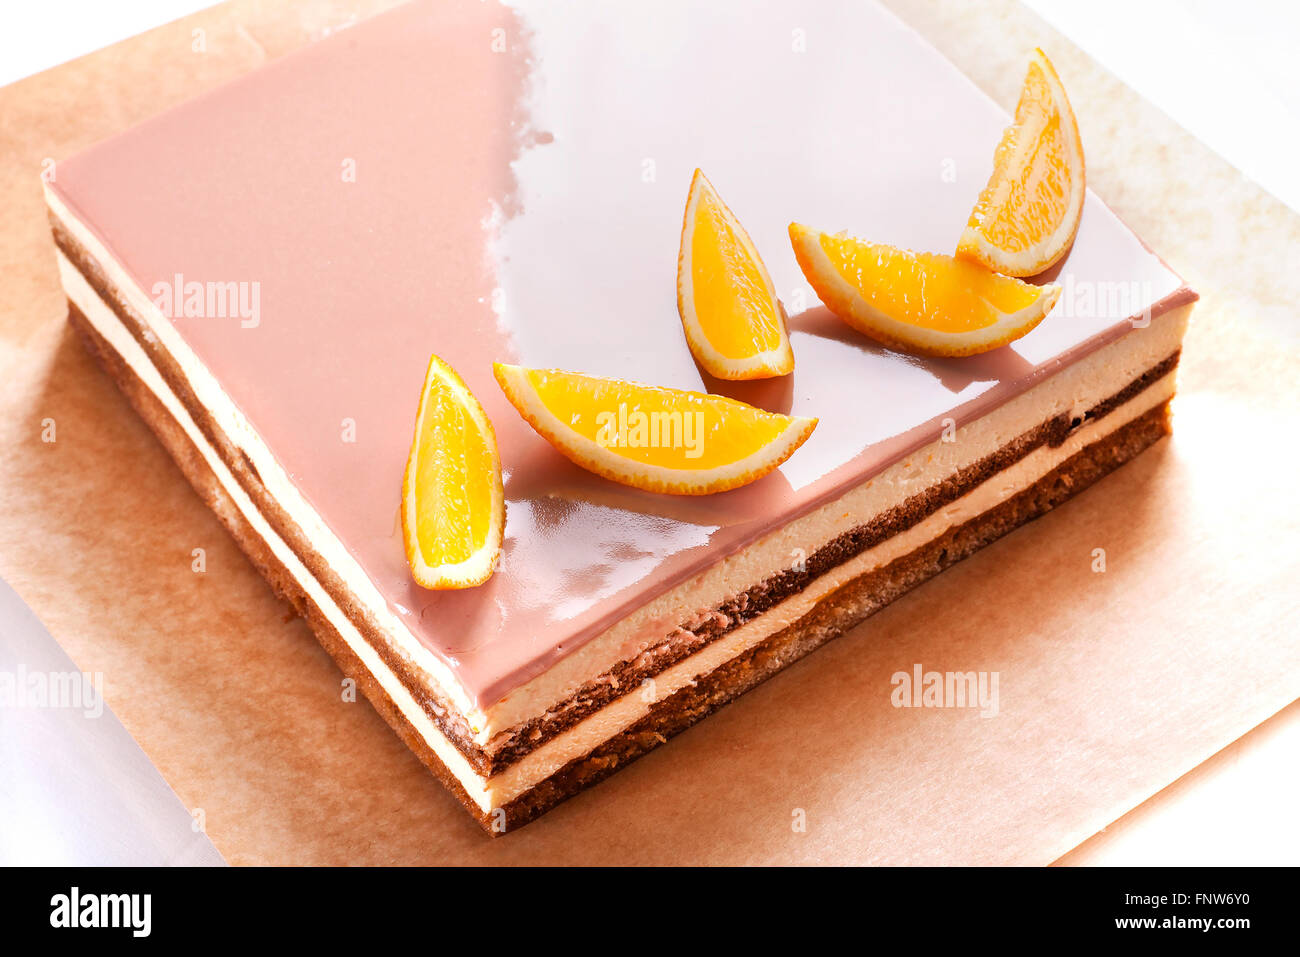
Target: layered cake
<point x="266" y="270"/>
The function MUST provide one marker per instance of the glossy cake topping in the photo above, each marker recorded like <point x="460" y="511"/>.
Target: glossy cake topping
<point x="497" y="182"/>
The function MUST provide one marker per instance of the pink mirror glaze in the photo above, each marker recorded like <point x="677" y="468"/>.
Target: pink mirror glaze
<point x="525" y="206"/>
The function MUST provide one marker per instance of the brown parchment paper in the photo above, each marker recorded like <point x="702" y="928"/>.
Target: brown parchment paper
<point x="1112" y="684"/>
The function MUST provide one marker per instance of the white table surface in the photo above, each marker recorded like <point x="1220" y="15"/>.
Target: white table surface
<point x="1229" y="74"/>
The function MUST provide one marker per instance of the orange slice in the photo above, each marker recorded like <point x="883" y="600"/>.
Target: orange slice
<point x="453" y="504"/>
<point x="923" y="303"/>
<point x="734" y="323"/>
<point x="652" y="438"/>
<point x="1027" y="215"/>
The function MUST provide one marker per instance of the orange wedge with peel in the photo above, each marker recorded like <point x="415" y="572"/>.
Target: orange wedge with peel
<point x="453" y="503"/>
<point x="733" y="321"/>
<point x="1027" y="215"/>
<point x="652" y="438"/>
<point x="923" y="303"/>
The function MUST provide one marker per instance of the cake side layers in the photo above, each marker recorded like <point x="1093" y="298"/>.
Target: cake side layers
<point x="613" y="720"/>
<point x="496" y="729"/>
<point x="850" y="603"/>
<point x="953" y="455"/>
<point x="121" y="357"/>
<point x="875" y="533"/>
<point x="252" y="465"/>
<point x="587" y="735"/>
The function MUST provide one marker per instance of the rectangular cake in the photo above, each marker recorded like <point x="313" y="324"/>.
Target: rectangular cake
<point x="264" y="272"/>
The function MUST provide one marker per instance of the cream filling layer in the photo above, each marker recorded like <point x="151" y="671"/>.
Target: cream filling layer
<point x="1072" y="390"/>
<point x="579" y="740"/>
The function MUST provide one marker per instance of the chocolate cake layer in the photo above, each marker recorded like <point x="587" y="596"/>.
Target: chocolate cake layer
<point x="830" y="617"/>
<point x="625" y="677"/>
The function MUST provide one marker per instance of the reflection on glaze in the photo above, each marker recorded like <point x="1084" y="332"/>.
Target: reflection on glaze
<point x="520" y="173"/>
